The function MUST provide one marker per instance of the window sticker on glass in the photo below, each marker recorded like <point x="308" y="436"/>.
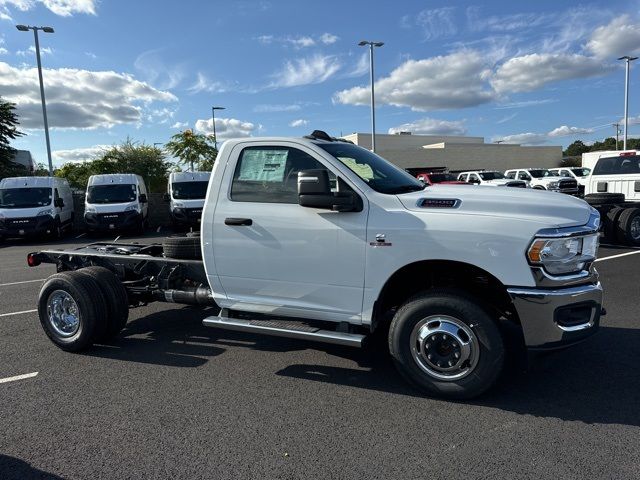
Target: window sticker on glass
<point x="363" y="170"/>
<point x="263" y="165"/>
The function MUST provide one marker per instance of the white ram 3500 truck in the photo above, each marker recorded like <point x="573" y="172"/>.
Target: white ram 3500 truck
<point x="315" y="238"/>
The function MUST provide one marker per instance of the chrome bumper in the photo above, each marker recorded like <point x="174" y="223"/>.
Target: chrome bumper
<point x="557" y="318"/>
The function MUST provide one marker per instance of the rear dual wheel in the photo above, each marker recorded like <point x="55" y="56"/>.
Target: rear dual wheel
<point x="81" y="307"/>
<point x="628" y="227"/>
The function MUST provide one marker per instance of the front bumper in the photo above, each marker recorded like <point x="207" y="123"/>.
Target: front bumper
<point x="22" y="227"/>
<point x="98" y="222"/>
<point x="559" y="317"/>
<point x="187" y="216"/>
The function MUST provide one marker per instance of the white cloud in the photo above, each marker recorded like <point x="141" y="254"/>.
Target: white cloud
<point x="64" y="8"/>
<point x="226" y="128"/>
<point x="505" y="23"/>
<point x="305" y="71"/>
<point x="78" y="154"/>
<point x="531" y="72"/>
<point x="530" y="138"/>
<point x="329" y="38"/>
<point x="524" y="103"/>
<point x="32" y="51"/>
<point x="618" y="38"/>
<point x="270" y="108"/>
<point x="299" y="123"/>
<point x="457" y="80"/>
<point x="154" y="70"/>
<point x="78" y="98"/>
<point x="180" y="125"/>
<point x="564" y="131"/>
<point x="361" y="68"/>
<point x="523" y="138"/>
<point x="203" y="84"/>
<point x="3" y="51"/>
<point x="298" y="41"/>
<point x="437" y="22"/>
<point x="431" y="126"/>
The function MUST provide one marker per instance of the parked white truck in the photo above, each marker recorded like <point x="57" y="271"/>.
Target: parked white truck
<point x="314" y="238"/>
<point x="186" y="192"/>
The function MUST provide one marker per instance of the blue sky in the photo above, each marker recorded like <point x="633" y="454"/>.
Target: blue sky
<point x="535" y="73"/>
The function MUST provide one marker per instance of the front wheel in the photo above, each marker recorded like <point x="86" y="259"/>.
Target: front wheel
<point x="446" y="344"/>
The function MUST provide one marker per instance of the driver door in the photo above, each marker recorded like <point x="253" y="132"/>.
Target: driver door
<point x="274" y="256"/>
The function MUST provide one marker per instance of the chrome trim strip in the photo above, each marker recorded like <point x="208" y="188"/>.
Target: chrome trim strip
<point x="592" y="226"/>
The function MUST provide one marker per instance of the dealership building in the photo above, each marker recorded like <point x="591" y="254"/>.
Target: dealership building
<point x="457" y="153"/>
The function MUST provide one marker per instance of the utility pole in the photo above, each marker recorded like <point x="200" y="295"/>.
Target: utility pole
<point x="628" y="61"/>
<point x="364" y="43"/>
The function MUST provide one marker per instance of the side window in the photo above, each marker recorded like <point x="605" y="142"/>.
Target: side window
<point x="511" y="175"/>
<point x="462" y="177"/>
<point x="56" y="195"/>
<point x="474" y="178"/>
<point x="524" y="176"/>
<point x="270" y="174"/>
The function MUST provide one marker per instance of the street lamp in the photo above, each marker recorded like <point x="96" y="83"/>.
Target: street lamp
<point x="373" y="107"/>
<point x="26" y="28"/>
<point x="213" y="120"/>
<point x="627" y="60"/>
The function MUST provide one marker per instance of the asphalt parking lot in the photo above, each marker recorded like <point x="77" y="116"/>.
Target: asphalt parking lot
<point x="172" y="399"/>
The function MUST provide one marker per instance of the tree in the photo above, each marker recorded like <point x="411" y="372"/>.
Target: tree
<point x="8" y="131"/>
<point x="576" y="149"/>
<point x="192" y="148"/>
<point x="129" y="157"/>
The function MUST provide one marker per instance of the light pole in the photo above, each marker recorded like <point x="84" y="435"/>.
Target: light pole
<point x="373" y="105"/>
<point x="26" y="28"/>
<point x="627" y="60"/>
<point x="617" y="127"/>
<point x="213" y="120"/>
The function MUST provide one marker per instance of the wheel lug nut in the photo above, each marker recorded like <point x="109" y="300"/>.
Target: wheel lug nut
<point x="429" y="357"/>
<point x="444" y="337"/>
<point x="451" y="363"/>
<point x="457" y="355"/>
<point x="454" y="345"/>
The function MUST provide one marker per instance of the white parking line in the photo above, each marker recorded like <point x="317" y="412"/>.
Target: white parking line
<point x="18" y="377"/>
<point x="618" y="256"/>
<point x="20" y="283"/>
<point x="17" y="313"/>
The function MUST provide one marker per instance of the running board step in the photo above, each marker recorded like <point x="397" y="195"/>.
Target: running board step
<point x="283" y="328"/>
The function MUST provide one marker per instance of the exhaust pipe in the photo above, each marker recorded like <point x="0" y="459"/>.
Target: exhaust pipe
<point x="196" y="296"/>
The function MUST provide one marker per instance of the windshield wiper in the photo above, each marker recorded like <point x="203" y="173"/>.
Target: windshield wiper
<point x="408" y="188"/>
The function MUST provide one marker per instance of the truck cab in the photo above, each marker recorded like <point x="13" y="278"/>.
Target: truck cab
<point x="35" y="205"/>
<point x="616" y="174"/>
<point x="186" y="192"/>
<point x="543" y="179"/>
<point x="116" y="202"/>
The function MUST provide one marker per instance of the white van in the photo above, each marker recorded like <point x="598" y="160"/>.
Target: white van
<point x="116" y="202"/>
<point x="35" y="205"/>
<point x="186" y="192"/>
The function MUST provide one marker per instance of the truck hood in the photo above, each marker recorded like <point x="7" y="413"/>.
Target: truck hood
<point x="23" y="212"/>
<point x="551" y="210"/>
<point x="189" y="203"/>
<point x="112" y="207"/>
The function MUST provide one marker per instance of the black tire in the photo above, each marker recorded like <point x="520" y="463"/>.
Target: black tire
<point x="484" y="367"/>
<point x="604" y="198"/>
<point x="610" y="224"/>
<point x="628" y="231"/>
<point x="538" y="187"/>
<point x="182" y="247"/>
<point x="116" y="297"/>
<point x="90" y="305"/>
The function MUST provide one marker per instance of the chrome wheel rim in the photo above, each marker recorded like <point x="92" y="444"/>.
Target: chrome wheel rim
<point x="444" y="347"/>
<point x="634" y="228"/>
<point x="63" y="313"/>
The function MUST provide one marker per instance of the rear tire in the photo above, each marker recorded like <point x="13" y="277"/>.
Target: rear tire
<point x="610" y="224"/>
<point x="446" y="344"/>
<point x="604" y="198"/>
<point x="628" y="231"/>
<point x="116" y="298"/>
<point x="72" y="310"/>
<point x="182" y="247"/>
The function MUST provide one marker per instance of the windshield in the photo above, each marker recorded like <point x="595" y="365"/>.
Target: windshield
<point x="541" y="173"/>
<point x="189" y="190"/>
<point x="25" y="197"/>
<point x="442" y="177"/>
<point x="617" y="166"/>
<point x="111" y="193"/>
<point x="379" y="174"/>
<point x="581" y="172"/>
<point x="491" y="175"/>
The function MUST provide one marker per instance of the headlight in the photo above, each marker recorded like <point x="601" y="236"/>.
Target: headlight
<point x="554" y="184"/>
<point x="48" y="211"/>
<point x="561" y="256"/>
<point x="90" y="210"/>
<point x="131" y="208"/>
